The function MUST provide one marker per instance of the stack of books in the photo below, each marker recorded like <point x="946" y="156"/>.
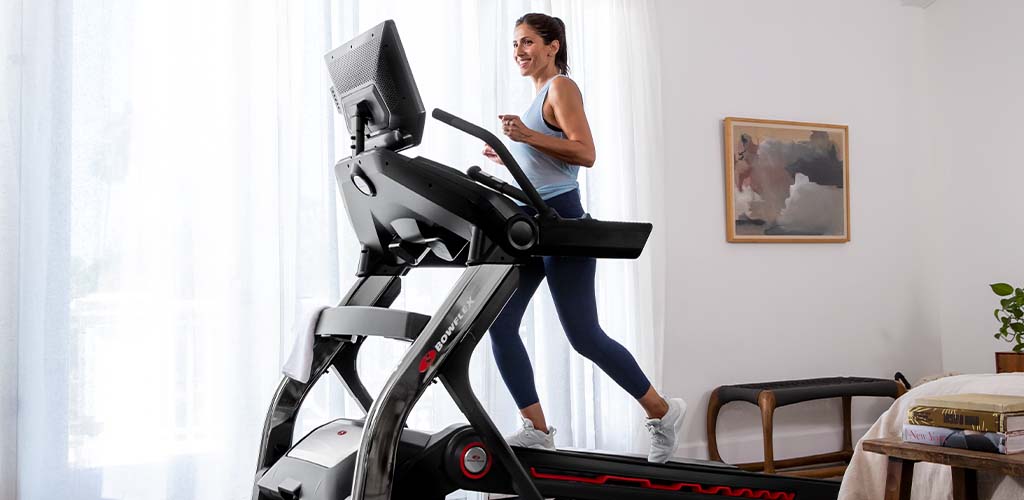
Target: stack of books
<point x="980" y="422"/>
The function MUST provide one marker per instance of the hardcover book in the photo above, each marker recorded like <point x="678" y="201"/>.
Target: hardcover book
<point x="975" y="420"/>
<point x="980" y="402"/>
<point x="991" y="442"/>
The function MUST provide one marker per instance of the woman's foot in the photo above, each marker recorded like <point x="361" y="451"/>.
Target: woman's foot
<point x="665" y="431"/>
<point x="530" y="437"/>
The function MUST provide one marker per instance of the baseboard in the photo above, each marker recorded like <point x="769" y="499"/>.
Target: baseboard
<point x="748" y="448"/>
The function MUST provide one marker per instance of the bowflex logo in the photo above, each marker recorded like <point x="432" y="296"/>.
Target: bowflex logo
<point x="428" y="359"/>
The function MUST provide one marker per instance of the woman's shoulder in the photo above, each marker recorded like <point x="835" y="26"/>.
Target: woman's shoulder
<point x="564" y="87"/>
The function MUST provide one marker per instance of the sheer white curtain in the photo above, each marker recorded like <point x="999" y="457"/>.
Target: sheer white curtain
<point x="168" y="203"/>
<point x="175" y="200"/>
<point x="10" y="131"/>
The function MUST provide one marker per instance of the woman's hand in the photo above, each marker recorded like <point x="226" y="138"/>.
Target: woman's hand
<point x="492" y="155"/>
<point x="514" y="128"/>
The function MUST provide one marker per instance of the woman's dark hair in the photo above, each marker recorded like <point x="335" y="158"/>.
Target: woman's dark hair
<point x="550" y="29"/>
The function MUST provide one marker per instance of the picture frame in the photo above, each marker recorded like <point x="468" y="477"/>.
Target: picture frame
<point x="786" y="181"/>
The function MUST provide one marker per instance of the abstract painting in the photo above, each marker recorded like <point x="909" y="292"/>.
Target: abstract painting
<point x="786" y="181"/>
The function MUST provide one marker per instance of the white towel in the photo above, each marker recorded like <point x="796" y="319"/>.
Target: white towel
<point x="300" y="362"/>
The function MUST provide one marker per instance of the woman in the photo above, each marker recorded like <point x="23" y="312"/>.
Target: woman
<point x="550" y="142"/>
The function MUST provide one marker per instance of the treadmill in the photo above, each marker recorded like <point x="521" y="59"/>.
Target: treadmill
<point x="414" y="212"/>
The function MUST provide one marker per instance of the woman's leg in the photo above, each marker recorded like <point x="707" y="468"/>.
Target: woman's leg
<point x="653" y="403"/>
<point x="571" y="280"/>
<point x="509" y="352"/>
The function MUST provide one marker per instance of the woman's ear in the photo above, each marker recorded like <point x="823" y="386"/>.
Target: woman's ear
<point x="555" y="44"/>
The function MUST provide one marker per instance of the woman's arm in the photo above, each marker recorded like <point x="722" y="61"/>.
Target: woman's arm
<point x="566" y="102"/>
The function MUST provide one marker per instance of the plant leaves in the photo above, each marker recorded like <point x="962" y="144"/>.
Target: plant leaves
<point x="1001" y="289"/>
<point x="1017" y="327"/>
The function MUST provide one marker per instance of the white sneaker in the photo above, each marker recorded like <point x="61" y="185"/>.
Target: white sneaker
<point x="530" y="437"/>
<point x="665" y="431"/>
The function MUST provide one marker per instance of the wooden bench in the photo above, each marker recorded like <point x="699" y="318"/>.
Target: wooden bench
<point x="771" y="395"/>
<point x="964" y="465"/>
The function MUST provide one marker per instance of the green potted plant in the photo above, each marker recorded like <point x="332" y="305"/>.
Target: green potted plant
<point x="1011" y="316"/>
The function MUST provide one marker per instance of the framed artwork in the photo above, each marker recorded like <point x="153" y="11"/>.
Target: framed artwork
<point x="786" y="182"/>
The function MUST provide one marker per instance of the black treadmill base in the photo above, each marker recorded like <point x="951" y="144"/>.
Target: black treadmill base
<point x="584" y="475"/>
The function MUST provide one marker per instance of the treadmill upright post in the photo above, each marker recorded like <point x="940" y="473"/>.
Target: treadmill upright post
<point x="472" y="305"/>
<point x="455" y="377"/>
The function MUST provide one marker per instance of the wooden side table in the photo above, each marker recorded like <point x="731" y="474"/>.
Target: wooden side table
<point x="965" y="465"/>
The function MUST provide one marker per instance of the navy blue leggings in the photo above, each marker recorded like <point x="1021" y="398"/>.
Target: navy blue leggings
<point x="571" y="281"/>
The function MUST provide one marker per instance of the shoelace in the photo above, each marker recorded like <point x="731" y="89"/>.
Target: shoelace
<point x="657" y="432"/>
<point x="528" y="428"/>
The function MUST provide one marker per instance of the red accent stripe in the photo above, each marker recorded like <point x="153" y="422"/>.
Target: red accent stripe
<point x="691" y="487"/>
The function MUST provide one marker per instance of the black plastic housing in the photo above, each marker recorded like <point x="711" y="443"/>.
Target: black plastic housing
<point x="372" y="79"/>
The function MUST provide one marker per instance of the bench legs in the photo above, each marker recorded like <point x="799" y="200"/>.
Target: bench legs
<point x="714" y="405"/>
<point x="766" y="401"/>
<point x="898" y="479"/>
<point x="847" y="426"/>
<point x="965" y="484"/>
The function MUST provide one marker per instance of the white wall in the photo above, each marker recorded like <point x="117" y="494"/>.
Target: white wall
<point x="760" y="312"/>
<point x="978" y="106"/>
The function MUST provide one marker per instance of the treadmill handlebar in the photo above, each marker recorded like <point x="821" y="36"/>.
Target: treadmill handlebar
<point x="533" y="197"/>
<point x="477" y="174"/>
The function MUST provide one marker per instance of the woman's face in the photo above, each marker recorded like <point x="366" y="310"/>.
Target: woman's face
<point x="530" y="53"/>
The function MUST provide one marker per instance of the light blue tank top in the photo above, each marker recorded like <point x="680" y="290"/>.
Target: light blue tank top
<point x="548" y="174"/>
